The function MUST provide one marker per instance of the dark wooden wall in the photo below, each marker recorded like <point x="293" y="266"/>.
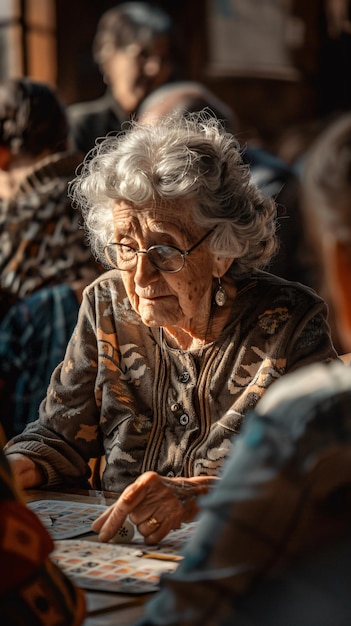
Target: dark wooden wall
<point x="265" y="107"/>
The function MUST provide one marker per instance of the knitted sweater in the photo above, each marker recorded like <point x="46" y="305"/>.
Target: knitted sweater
<point x="123" y="393"/>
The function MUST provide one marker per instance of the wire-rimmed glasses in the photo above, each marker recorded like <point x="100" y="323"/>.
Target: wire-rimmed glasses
<point x="164" y="258"/>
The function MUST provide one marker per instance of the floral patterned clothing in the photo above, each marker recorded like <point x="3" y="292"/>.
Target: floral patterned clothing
<point x="123" y="393"/>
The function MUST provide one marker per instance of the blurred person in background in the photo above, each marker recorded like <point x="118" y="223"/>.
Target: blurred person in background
<point x="45" y="260"/>
<point x="137" y="49"/>
<point x="326" y="202"/>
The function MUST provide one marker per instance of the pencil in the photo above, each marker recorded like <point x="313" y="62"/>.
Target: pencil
<point x="159" y="556"/>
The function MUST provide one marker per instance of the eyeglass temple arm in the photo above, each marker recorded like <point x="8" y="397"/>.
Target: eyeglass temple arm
<point x="199" y="242"/>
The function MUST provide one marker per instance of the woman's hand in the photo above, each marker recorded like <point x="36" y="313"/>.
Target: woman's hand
<point x="27" y="473"/>
<point x="154" y="504"/>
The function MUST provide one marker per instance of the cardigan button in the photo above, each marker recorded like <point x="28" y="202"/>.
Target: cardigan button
<point x="184" y="377"/>
<point x="184" y="419"/>
<point x="175" y="407"/>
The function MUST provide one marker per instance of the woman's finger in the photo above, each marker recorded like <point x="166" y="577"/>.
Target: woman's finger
<point x="109" y="522"/>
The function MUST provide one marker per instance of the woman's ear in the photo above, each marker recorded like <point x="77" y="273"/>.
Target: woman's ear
<point x="221" y="265"/>
<point x="339" y="278"/>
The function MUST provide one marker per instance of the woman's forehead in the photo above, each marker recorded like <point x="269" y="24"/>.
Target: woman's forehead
<point x="153" y="217"/>
<point x="177" y="213"/>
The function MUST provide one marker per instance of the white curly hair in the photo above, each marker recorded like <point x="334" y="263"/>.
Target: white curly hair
<point x="186" y="160"/>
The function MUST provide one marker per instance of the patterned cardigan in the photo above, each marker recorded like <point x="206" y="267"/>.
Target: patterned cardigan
<point x="123" y="393"/>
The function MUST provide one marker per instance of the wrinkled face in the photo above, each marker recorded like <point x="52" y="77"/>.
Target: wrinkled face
<point x="133" y="72"/>
<point x="163" y="299"/>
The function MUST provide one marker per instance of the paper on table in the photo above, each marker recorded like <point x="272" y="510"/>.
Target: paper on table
<point x="110" y="567"/>
<point x="128" y="568"/>
<point x="65" y="519"/>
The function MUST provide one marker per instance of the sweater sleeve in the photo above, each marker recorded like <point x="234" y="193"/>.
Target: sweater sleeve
<point x="66" y="434"/>
<point x="310" y="338"/>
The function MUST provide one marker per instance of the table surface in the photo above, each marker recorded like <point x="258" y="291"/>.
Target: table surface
<point x="103" y="609"/>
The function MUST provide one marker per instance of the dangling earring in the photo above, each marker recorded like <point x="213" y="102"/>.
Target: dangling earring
<point x="220" y="296"/>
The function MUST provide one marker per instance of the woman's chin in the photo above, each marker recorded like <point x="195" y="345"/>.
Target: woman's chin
<point x="154" y="314"/>
<point x="156" y="322"/>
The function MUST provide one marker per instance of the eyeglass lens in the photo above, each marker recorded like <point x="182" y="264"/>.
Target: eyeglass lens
<point x="164" y="258"/>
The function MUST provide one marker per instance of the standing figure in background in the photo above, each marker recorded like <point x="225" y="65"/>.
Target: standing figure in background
<point x="136" y="49"/>
<point x="45" y="260"/>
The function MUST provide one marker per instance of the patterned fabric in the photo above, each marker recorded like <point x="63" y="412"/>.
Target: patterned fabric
<point x="33" y="591"/>
<point x="284" y="494"/>
<point x="33" y="339"/>
<point x="41" y="239"/>
<point x="121" y="392"/>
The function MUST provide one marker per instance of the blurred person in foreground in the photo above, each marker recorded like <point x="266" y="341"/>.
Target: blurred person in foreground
<point x="33" y="590"/>
<point x="136" y="48"/>
<point x="45" y="260"/>
<point x="181" y="338"/>
<point x="273" y="541"/>
<point x="273" y="544"/>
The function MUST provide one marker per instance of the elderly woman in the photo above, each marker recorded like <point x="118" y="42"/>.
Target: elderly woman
<point x="181" y="338"/>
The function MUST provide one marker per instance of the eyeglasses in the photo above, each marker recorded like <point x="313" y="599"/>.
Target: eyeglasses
<point x="164" y="258"/>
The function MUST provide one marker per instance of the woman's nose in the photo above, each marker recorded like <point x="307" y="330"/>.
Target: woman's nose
<point x="145" y="272"/>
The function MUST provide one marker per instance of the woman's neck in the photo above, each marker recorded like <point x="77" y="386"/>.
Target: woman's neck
<point x="206" y="331"/>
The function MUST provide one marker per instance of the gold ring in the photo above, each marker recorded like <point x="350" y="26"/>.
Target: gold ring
<point x="152" y="521"/>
